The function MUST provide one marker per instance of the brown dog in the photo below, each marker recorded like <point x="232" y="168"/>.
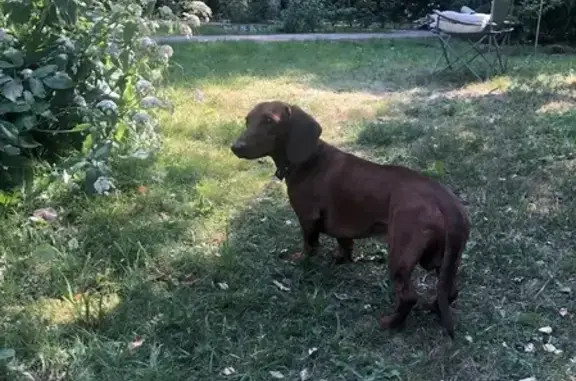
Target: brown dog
<point x="346" y="197"/>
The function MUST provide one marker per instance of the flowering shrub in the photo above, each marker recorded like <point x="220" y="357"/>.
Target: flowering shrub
<point x="78" y="80"/>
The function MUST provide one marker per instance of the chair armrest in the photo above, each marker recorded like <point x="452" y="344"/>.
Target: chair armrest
<point x="440" y="15"/>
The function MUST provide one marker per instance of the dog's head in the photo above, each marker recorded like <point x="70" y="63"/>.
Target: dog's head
<point x="278" y="129"/>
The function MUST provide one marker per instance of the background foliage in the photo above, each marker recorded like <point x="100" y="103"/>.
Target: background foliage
<point x="77" y="86"/>
<point x="558" y="21"/>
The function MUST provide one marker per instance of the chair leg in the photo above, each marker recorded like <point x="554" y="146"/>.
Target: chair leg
<point x="445" y="52"/>
<point x="444" y="43"/>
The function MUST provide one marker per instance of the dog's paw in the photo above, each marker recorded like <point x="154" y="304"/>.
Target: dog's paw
<point x="431" y="307"/>
<point x="342" y="260"/>
<point x="391" y="322"/>
<point x="294" y="257"/>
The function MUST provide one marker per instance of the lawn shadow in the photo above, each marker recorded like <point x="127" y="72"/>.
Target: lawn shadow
<point x="238" y="304"/>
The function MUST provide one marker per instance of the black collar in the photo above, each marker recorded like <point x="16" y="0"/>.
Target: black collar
<point x="283" y="171"/>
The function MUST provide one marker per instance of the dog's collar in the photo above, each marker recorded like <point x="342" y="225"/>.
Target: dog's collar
<point x="283" y="171"/>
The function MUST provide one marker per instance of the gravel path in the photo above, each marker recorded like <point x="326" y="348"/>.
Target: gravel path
<point x="299" y="37"/>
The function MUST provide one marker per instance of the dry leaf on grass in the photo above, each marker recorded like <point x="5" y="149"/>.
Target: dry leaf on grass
<point x="552" y="349"/>
<point x="277" y="375"/>
<point x="312" y="350"/>
<point x="136" y="343"/>
<point x="304" y="374"/>
<point x="228" y="371"/>
<point x="44" y="214"/>
<point x="566" y="290"/>
<point x="341" y="296"/>
<point x="563" y="311"/>
<point x="223" y="285"/>
<point x="547" y="330"/>
<point x="529" y="348"/>
<point x="280" y="286"/>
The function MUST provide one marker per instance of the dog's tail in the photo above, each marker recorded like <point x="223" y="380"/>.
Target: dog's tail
<point x="455" y="225"/>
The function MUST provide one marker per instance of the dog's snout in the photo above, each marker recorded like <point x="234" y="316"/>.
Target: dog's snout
<point x="238" y="147"/>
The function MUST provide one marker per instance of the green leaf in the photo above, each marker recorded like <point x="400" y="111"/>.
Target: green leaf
<point x="18" y="12"/>
<point x="67" y="10"/>
<point x="4" y="78"/>
<point x="87" y="144"/>
<point x="7" y="354"/>
<point x="130" y="29"/>
<point x="120" y="132"/>
<point x="44" y="253"/>
<point x="59" y="81"/>
<point x="102" y="152"/>
<point x="39" y="108"/>
<point x="28" y="97"/>
<point x="26" y="122"/>
<point x="439" y="167"/>
<point x="6" y="65"/>
<point x="6" y="107"/>
<point x="27" y="141"/>
<point x="12" y="89"/>
<point x="48" y="115"/>
<point x="9" y="132"/>
<point x="10" y="150"/>
<point x="15" y="56"/>
<point x="37" y="87"/>
<point x="44" y="71"/>
<point x="81" y="127"/>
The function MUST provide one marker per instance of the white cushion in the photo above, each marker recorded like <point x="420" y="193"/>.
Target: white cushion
<point x="475" y="22"/>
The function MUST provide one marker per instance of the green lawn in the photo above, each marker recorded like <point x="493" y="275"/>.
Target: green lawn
<point x="177" y="269"/>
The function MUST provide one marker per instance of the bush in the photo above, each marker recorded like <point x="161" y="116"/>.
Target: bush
<point x="185" y="8"/>
<point x="558" y="19"/>
<point x="263" y="10"/>
<point x="304" y="16"/>
<point x="77" y="82"/>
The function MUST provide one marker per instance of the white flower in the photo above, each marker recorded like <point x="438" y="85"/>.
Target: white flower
<point x="67" y="43"/>
<point x="165" y="11"/>
<point x="113" y="49"/>
<point x="107" y="105"/>
<point x="135" y="9"/>
<point x="166" y="52"/>
<point x="185" y="30"/>
<point x="144" y="87"/>
<point x="192" y="19"/>
<point x="26" y="73"/>
<point x="142" y="118"/>
<point x="147" y="42"/>
<point x="80" y="101"/>
<point x="151" y="102"/>
<point x="103" y="185"/>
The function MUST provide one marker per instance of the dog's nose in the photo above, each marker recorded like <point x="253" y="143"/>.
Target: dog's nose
<point x="238" y="147"/>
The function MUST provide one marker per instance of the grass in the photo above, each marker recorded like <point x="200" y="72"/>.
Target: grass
<point x="175" y="281"/>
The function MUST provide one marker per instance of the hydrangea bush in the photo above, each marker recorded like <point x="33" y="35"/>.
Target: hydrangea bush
<point x="78" y="80"/>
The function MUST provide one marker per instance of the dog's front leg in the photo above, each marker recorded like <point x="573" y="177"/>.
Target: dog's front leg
<point x="310" y="237"/>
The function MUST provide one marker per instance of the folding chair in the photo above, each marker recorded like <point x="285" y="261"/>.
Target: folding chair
<point x="477" y="29"/>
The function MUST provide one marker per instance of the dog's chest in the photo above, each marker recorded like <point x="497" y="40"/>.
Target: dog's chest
<point x="339" y="217"/>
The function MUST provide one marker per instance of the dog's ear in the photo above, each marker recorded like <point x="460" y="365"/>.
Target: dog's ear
<point x="303" y="135"/>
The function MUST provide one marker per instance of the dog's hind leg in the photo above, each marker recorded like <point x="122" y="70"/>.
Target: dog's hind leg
<point x="405" y="251"/>
<point x="345" y="247"/>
